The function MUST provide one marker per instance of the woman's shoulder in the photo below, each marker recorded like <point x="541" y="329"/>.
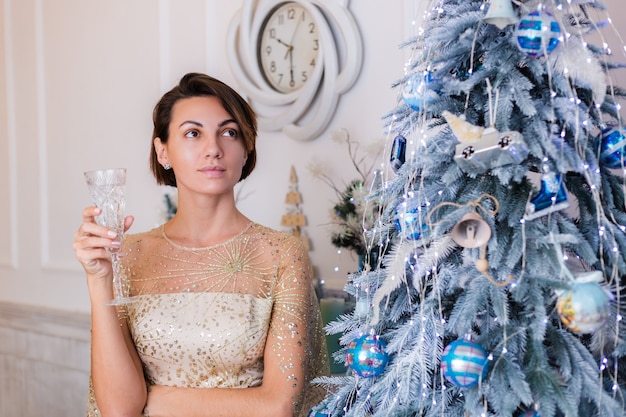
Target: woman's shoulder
<point x="133" y="240"/>
<point x="284" y="243"/>
<point x="151" y="233"/>
<point x="272" y="235"/>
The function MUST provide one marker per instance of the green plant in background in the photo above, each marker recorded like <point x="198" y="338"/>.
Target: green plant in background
<point x="170" y="206"/>
<point x="353" y="215"/>
<point x="349" y="220"/>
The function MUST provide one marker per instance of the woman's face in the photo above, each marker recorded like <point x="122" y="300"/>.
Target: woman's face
<point x="204" y="147"/>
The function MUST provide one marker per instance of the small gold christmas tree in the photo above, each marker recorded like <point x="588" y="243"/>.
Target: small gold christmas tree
<point x="294" y="218"/>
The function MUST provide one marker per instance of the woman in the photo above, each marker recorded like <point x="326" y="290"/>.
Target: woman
<point x="224" y="321"/>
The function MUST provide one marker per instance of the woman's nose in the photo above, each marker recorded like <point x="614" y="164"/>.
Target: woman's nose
<point x="212" y="147"/>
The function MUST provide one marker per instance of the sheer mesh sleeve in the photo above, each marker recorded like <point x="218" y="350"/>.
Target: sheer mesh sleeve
<point x="296" y="326"/>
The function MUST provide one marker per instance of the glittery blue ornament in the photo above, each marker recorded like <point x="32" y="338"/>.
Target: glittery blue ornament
<point x="420" y="90"/>
<point x="398" y="153"/>
<point x="538" y="33"/>
<point x="408" y="221"/>
<point x="366" y="356"/>
<point x="530" y="413"/>
<point x="464" y="363"/>
<point x="612" y="147"/>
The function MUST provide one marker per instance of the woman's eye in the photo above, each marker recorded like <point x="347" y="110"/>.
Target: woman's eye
<point x="192" y="134"/>
<point x="230" y="132"/>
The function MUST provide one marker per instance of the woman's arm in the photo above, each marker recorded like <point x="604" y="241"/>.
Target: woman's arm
<point x="116" y="370"/>
<point x="286" y="357"/>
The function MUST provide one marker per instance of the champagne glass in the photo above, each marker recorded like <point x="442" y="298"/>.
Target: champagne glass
<point x="106" y="187"/>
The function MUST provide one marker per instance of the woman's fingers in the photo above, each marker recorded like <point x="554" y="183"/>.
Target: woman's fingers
<point x="89" y="213"/>
<point x="89" y="227"/>
<point x="128" y="221"/>
<point x="92" y="243"/>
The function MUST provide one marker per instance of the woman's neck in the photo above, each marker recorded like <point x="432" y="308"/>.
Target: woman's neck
<point x="205" y="223"/>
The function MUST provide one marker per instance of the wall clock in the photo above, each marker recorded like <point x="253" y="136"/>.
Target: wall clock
<point x="293" y="59"/>
<point x="288" y="47"/>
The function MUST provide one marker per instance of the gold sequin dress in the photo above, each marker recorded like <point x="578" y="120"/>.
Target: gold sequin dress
<point x="200" y="317"/>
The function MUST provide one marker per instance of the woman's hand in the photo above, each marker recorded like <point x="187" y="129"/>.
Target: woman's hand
<point x="91" y="242"/>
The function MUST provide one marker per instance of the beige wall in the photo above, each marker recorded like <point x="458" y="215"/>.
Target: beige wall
<point x="78" y="80"/>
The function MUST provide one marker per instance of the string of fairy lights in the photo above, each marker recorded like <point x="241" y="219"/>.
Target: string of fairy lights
<point x="613" y="140"/>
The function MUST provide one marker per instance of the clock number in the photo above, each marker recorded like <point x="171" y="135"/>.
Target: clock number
<point x="312" y="28"/>
<point x="316" y="44"/>
<point x="304" y="76"/>
<point x="268" y="50"/>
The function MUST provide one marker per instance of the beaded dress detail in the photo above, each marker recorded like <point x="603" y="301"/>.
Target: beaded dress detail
<point x="200" y="317"/>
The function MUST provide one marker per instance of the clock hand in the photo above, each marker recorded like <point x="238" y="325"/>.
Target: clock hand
<point x="282" y="43"/>
<point x="295" y="30"/>
<point x="289" y="47"/>
<point x="290" y="52"/>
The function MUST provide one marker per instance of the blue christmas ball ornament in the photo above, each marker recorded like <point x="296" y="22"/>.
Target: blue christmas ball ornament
<point x="366" y="356"/>
<point x="420" y="90"/>
<point x="538" y="33"/>
<point x="584" y="308"/>
<point x="612" y="147"/>
<point x="464" y="363"/>
<point x="530" y="413"/>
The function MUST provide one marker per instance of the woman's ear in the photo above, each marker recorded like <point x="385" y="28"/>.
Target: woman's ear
<point x="161" y="150"/>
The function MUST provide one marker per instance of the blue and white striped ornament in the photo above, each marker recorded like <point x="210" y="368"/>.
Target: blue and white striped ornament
<point x="612" y="147"/>
<point x="538" y="33"/>
<point x="464" y="363"/>
<point x="420" y="90"/>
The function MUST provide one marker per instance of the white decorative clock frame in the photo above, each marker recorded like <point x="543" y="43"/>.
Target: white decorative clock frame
<point x="303" y="114"/>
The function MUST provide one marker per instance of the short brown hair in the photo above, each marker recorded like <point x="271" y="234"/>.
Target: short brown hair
<point x="201" y="85"/>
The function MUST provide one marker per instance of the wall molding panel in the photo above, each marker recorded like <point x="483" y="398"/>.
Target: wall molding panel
<point x="42" y="136"/>
<point x="9" y="257"/>
<point x="34" y="380"/>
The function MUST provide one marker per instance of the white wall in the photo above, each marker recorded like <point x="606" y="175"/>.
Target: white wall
<point x="78" y="80"/>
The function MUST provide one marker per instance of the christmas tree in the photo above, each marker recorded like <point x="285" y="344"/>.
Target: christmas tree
<point x="502" y="224"/>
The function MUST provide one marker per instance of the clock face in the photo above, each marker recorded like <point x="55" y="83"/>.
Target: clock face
<point x="288" y="47"/>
